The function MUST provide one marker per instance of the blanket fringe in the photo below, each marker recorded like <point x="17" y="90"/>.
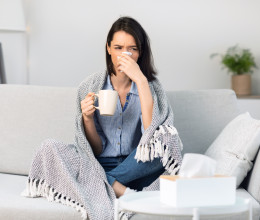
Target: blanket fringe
<point x="155" y="149"/>
<point x="38" y="188"/>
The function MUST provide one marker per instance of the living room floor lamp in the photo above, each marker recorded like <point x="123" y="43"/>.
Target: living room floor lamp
<point x="11" y="20"/>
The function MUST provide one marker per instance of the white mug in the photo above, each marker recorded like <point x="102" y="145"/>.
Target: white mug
<point x="107" y="100"/>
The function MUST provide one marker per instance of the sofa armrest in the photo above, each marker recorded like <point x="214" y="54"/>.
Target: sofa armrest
<point x="253" y="179"/>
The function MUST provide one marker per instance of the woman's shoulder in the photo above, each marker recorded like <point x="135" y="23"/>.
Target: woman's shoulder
<point x="157" y="88"/>
<point x="92" y="83"/>
<point x="156" y="83"/>
<point x="93" y="79"/>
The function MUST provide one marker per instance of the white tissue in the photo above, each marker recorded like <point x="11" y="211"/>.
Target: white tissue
<point x="128" y="53"/>
<point x="197" y="165"/>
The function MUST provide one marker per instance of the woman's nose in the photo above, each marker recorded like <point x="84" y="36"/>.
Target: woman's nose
<point x="127" y="53"/>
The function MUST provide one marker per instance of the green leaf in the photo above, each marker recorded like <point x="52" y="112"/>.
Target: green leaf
<point x="237" y="61"/>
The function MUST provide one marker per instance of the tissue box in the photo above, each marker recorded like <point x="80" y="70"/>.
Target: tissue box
<point x="197" y="191"/>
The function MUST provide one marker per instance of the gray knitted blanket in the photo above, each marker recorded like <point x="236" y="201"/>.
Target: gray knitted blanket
<point x="71" y="175"/>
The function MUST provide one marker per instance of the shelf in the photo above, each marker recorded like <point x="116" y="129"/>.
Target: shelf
<point x="248" y="96"/>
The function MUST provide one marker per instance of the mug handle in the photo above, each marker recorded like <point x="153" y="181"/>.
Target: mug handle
<point x="96" y="107"/>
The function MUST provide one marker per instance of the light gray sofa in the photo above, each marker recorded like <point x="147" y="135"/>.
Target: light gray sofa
<point x="31" y="114"/>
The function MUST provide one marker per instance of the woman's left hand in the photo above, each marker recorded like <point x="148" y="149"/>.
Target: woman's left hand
<point x="128" y="65"/>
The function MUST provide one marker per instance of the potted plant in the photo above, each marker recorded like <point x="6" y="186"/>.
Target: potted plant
<point x="240" y="62"/>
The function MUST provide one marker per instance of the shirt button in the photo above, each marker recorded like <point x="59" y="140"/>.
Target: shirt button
<point x="118" y="143"/>
<point x="119" y="128"/>
<point x="120" y="114"/>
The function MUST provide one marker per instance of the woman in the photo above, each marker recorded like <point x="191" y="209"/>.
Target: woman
<point x="129" y="76"/>
<point x="114" y="155"/>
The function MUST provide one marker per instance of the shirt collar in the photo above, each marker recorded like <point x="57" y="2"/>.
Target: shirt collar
<point x="133" y="88"/>
<point x="108" y="83"/>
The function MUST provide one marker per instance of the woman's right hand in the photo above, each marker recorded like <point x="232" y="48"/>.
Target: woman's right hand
<point x="87" y="106"/>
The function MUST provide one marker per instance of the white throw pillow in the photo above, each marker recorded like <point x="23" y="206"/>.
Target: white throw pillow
<point x="236" y="146"/>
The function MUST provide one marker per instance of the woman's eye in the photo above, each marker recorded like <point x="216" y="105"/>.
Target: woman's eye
<point x="134" y="49"/>
<point x="118" y="48"/>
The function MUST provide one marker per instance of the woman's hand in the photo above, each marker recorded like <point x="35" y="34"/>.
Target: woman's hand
<point x="87" y="106"/>
<point x="88" y="109"/>
<point x="128" y="65"/>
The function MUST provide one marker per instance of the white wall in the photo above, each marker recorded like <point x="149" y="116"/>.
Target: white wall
<point x="67" y="39"/>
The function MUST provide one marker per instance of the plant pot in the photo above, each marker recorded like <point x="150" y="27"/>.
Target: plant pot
<point x="241" y="84"/>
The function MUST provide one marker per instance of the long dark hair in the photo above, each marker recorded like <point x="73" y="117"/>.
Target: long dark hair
<point x="132" y="27"/>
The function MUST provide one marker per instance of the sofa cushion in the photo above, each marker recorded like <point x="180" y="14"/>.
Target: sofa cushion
<point x="29" y="115"/>
<point x="236" y="146"/>
<point x="13" y="206"/>
<point x="200" y="115"/>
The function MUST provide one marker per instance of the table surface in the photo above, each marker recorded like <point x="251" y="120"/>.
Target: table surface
<point x="149" y="203"/>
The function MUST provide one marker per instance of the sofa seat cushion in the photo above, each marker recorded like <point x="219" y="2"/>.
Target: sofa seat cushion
<point x="14" y="206"/>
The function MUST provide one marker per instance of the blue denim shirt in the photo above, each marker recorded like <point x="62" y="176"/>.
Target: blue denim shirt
<point x="120" y="133"/>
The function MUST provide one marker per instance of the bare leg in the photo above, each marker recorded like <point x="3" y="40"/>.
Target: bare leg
<point x="118" y="188"/>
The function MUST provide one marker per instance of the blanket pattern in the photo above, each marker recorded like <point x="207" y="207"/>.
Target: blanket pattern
<point x="71" y="175"/>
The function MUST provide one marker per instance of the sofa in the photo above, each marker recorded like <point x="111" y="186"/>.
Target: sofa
<point x="30" y="114"/>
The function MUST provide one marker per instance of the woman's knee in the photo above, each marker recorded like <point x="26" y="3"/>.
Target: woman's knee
<point x="50" y="145"/>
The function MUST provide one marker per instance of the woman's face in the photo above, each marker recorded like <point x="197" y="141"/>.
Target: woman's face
<point x="122" y="42"/>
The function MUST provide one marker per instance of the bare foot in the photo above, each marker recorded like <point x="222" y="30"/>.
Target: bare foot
<point x="118" y="188"/>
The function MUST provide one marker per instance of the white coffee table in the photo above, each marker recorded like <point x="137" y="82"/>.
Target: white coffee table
<point x="149" y="203"/>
